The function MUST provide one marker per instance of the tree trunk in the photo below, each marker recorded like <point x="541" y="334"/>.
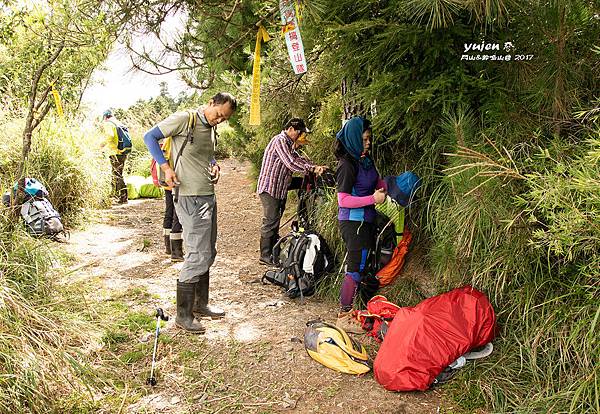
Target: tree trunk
<point x="351" y="105"/>
<point x="31" y="122"/>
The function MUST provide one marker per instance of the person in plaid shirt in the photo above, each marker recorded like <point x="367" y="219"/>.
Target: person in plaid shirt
<point x="280" y="160"/>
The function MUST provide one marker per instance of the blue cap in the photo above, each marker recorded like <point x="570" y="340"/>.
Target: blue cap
<point x="107" y="114"/>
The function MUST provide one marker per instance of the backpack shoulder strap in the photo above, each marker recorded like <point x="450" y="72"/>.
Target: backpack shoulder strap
<point x="298" y="251"/>
<point x="117" y="126"/>
<point x="214" y="137"/>
<point x="191" y="124"/>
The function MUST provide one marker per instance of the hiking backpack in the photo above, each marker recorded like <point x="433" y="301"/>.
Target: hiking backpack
<point x="303" y="257"/>
<point x="423" y="340"/>
<point x="393" y="240"/>
<point x="158" y="175"/>
<point x="403" y="187"/>
<point x="380" y="314"/>
<point x="38" y="214"/>
<point x="332" y="347"/>
<point x="123" y="139"/>
<point x="41" y="219"/>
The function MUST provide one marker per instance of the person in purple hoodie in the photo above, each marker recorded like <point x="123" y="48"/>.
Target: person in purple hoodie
<point x="359" y="188"/>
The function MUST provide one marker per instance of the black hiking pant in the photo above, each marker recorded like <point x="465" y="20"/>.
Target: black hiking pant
<point x="171" y="221"/>
<point x="273" y="209"/>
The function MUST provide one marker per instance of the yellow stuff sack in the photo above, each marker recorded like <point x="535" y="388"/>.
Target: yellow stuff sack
<point x="332" y="347"/>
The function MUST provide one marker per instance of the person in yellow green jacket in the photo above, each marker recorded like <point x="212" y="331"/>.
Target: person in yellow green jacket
<point x="117" y="145"/>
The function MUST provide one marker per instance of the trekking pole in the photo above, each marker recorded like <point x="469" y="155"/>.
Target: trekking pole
<point x="159" y="315"/>
<point x="290" y="219"/>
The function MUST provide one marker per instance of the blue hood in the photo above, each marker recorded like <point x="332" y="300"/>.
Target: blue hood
<point x="351" y="138"/>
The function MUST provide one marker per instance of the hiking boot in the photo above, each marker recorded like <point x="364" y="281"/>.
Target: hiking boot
<point x="185" y="302"/>
<point x="266" y="261"/>
<point x="348" y="323"/>
<point x="176" y="250"/>
<point x="167" y="244"/>
<point x="266" y="251"/>
<point x="201" y="306"/>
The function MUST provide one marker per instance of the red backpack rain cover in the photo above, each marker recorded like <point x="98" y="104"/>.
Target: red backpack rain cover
<point x="425" y="339"/>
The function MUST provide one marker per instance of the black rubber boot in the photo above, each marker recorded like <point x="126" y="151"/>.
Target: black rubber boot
<point x="265" y="251"/>
<point x="167" y="244"/>
<point x="201" y="306"/>
<point x="177" y="250"/>
<point x="185" y="303"/>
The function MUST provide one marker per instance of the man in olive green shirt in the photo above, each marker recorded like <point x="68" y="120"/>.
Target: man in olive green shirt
<point x="193" y="176"/>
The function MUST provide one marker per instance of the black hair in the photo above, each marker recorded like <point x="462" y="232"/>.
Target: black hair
<point x="297" y="123"/>
<point x="224" y="97"/>
<point x="366" y="125"/>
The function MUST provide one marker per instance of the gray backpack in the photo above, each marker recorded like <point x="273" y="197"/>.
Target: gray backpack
<point x="302" y="257"/>
<point x="38" y="214"/>
<point x="41" y="219"/>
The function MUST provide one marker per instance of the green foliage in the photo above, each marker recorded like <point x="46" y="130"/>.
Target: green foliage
<point x="508" y="152"/>
<point x="74" y="171"/>
<point x="131" y="357"/>
<point x="493" y="212"/>
<point x="563" y="200"/>
<point x="66" y="159"/>
<point x="138" y="322"/>
<point x="39" y="367"/>
<point x="532" y="245"/>
<point x="23" y="261"/>
<point x="112" y="338"/>
<point x="32" y="34"/>
<point x="230" y="142"/>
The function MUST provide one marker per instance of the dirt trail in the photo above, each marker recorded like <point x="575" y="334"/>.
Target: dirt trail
<point x="250" y="361"/>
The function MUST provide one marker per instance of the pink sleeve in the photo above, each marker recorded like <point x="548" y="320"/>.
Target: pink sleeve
<point x="381" y="184"/>
<point x="349" y="201"/>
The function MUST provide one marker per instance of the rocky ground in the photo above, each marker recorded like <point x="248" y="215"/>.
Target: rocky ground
<point x="252" y="361"/>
